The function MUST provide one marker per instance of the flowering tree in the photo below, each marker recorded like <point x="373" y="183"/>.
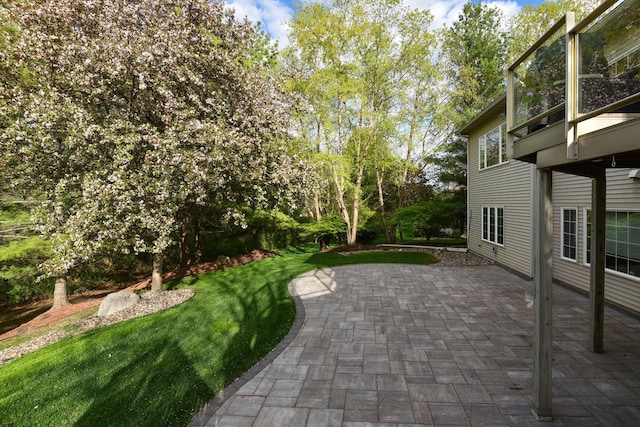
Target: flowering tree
<point x="136" y="113"/>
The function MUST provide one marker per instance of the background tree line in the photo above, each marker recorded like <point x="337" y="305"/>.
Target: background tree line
<point x="161" y="133"/>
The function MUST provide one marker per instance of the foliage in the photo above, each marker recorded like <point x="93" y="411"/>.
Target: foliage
<point x="14" y="223"/>
<point x="450" y="166"/>
<point x="19" y="261"/>
<point x="352" y="62"/>
<point x="428" y="218"/>
<point x="321" y="232"/>
<point x="23" y="251"/>
<point x="162" y="368"/>
<point x="475" y="49"/>
<point x="138" y="113"/>
<point x="272" y="229"/>
<point x="20" y="254"/>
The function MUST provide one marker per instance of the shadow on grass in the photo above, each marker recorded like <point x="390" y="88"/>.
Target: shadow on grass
<point x="162" y="369"/>
<point x="108" y="377"/>
<point x="142" y="392"/>
<point x="263" y="319"/>
<point x="12" y="316"/>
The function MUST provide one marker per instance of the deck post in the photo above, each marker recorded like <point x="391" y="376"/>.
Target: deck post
<point x="598" y="254"/>
<point x="543" y="297"/>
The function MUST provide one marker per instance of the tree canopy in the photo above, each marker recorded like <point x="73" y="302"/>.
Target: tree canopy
<point x="363" y="71"/>
<point x="135" y="114"/>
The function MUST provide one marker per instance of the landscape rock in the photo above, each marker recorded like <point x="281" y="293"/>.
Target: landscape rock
<point x="117" y="301"/>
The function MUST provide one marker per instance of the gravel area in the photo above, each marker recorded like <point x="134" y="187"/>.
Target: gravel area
<point x="458" y="259"/>
<point x="448" y="258"/>
<point x="150" y="302"/>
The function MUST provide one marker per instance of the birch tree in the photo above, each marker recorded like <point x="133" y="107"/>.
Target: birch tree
<point x="351" y="61"/>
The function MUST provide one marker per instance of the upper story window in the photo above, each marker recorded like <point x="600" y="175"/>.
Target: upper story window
<point x="493" y="147"/>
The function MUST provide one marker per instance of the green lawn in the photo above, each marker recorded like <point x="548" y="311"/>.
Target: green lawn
<point x="161" y="369"/>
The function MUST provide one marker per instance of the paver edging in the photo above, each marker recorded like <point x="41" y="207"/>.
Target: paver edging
<point x="210" y="408"/>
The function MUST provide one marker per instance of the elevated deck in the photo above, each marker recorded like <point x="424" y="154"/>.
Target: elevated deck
<point x="573" y="101"/>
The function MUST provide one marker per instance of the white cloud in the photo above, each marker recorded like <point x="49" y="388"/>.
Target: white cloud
<point x="275" y="14"/>
<point x="444" y="12"/>
<point x="447" y="11"/>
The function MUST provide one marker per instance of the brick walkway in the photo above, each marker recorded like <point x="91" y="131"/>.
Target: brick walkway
<point x="400" y="345"/>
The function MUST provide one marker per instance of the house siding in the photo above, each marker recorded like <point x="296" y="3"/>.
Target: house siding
<point x="575" y="192"/>
<point x="508" y="186"/>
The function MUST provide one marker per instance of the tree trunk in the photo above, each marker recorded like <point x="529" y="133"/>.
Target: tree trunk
<point x="352" y="236"/>
<point x="60" y="298"/>
<point x="343" y="207"/>
<point x="156" y="275"/>
<point x="197" y="244"/>
<point x="316" y="201"/>
<point x="387" y="229"/>
<point x="184" y="247"/>
<point x="392" y="233"/>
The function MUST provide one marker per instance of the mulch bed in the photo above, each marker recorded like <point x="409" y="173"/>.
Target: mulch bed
<point x="91" y="299"/>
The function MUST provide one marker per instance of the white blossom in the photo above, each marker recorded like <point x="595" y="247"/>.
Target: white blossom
<point x="134" y="115"/>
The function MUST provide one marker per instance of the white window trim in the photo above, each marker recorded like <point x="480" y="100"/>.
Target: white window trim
<point x="607" y="270"/>
<point x="562" y="210"/>
<point x="482" y="159"/>
<point x="585" y="245"/>
<point x="482" y="156"/>
<point x="495" y="208"/>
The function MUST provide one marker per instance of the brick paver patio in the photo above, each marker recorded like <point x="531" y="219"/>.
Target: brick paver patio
<point x="395" y="345"/>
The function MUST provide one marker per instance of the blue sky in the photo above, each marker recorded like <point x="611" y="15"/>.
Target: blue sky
<point x="274" y="14"/>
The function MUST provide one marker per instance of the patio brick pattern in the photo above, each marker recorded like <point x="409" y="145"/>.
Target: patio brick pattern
<point x="396" y="345"/>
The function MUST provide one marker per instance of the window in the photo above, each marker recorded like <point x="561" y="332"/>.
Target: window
<point x="493" y="147"/>
<point x="569" y="233"/>
<point x="493" y="225"/>
<point x="622" y="241"/>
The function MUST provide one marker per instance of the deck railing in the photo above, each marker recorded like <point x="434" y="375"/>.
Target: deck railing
<point x="606" y="73"/>
<point x="576" y="72"/>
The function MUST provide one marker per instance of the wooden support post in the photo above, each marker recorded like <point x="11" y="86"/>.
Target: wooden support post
<point x="543" y="297"/>
<point x="598" y="254"/>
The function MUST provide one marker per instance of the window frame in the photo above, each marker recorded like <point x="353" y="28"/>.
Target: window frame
<point x="563" y="245"/>
<point x="587" y="240"/>
<point x="492" y="225"/>
<point x="501" y="130"/>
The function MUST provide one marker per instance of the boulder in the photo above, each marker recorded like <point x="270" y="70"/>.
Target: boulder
<point x="117" y="301"/>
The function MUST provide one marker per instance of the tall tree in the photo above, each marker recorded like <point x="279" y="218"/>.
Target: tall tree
<point x="475" y="54"/>
<point x="475" y="49"/>
<point x="140" y="111"/>
<point x="351" y="60"/>
<point x="450" y="164"/>
<point x="421" y="112"/>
